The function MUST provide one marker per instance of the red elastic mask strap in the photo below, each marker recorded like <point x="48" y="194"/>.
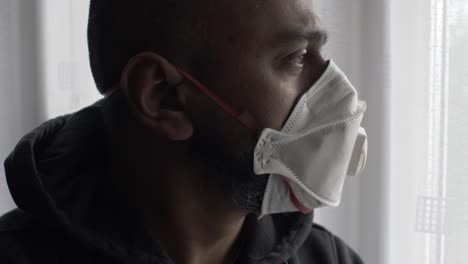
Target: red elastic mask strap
<point x="243" y="118"/>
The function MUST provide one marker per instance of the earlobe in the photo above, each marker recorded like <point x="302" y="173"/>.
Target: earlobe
<point x="150" y="84"/>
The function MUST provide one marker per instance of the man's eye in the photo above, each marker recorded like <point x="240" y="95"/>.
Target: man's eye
<point x="297" y="59"/>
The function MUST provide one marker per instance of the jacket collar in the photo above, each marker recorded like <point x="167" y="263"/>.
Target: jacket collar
<point x="64" y="163"/>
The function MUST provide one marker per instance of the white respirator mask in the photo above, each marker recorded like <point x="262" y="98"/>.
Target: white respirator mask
<point x="320" y="144"/>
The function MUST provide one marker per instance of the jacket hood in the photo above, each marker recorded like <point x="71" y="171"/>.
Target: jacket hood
<point x="57" y="174"/>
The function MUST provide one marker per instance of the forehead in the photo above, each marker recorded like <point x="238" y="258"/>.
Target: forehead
<point x="242" y="22"/>
<point x="295" y="12"/>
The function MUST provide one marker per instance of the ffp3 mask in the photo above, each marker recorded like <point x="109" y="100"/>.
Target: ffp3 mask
<point x="320" y="143"/>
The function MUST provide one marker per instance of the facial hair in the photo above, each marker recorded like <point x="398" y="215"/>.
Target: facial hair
<point x="231" y="172"/>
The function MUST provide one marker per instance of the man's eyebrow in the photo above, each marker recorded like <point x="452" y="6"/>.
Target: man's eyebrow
<point x="318" y="36"/>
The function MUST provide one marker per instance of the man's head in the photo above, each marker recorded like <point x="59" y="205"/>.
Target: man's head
<point x="258" y="56"/>
<point x="120" y="29"/>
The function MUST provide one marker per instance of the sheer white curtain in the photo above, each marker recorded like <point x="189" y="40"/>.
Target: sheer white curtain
<point x="429" y="219"/>
<point x="409" y="59"/>
<point x="19" y="81"/>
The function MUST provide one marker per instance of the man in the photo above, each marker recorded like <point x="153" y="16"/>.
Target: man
<point x="160" y="170"/>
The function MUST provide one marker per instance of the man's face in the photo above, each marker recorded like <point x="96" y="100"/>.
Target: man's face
<point x="261" y="56"/>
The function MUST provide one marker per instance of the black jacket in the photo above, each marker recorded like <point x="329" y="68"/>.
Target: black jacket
<point x="68" y="213"/>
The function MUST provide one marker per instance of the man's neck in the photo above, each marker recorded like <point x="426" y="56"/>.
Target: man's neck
<point x="193" y="223"/>
<point x="193" y="239"/>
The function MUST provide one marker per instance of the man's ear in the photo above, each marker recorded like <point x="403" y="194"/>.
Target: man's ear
<point x="150" y="84"/>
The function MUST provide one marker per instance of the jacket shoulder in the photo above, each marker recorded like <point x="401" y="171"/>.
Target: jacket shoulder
<point x="321" y="246"/>
<point x="20" y="242"/>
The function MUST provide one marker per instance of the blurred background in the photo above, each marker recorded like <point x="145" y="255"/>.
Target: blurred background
<point x="409" y="59"/>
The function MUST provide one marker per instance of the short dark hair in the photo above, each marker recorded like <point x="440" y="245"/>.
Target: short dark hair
<point x="120" y="29"/>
